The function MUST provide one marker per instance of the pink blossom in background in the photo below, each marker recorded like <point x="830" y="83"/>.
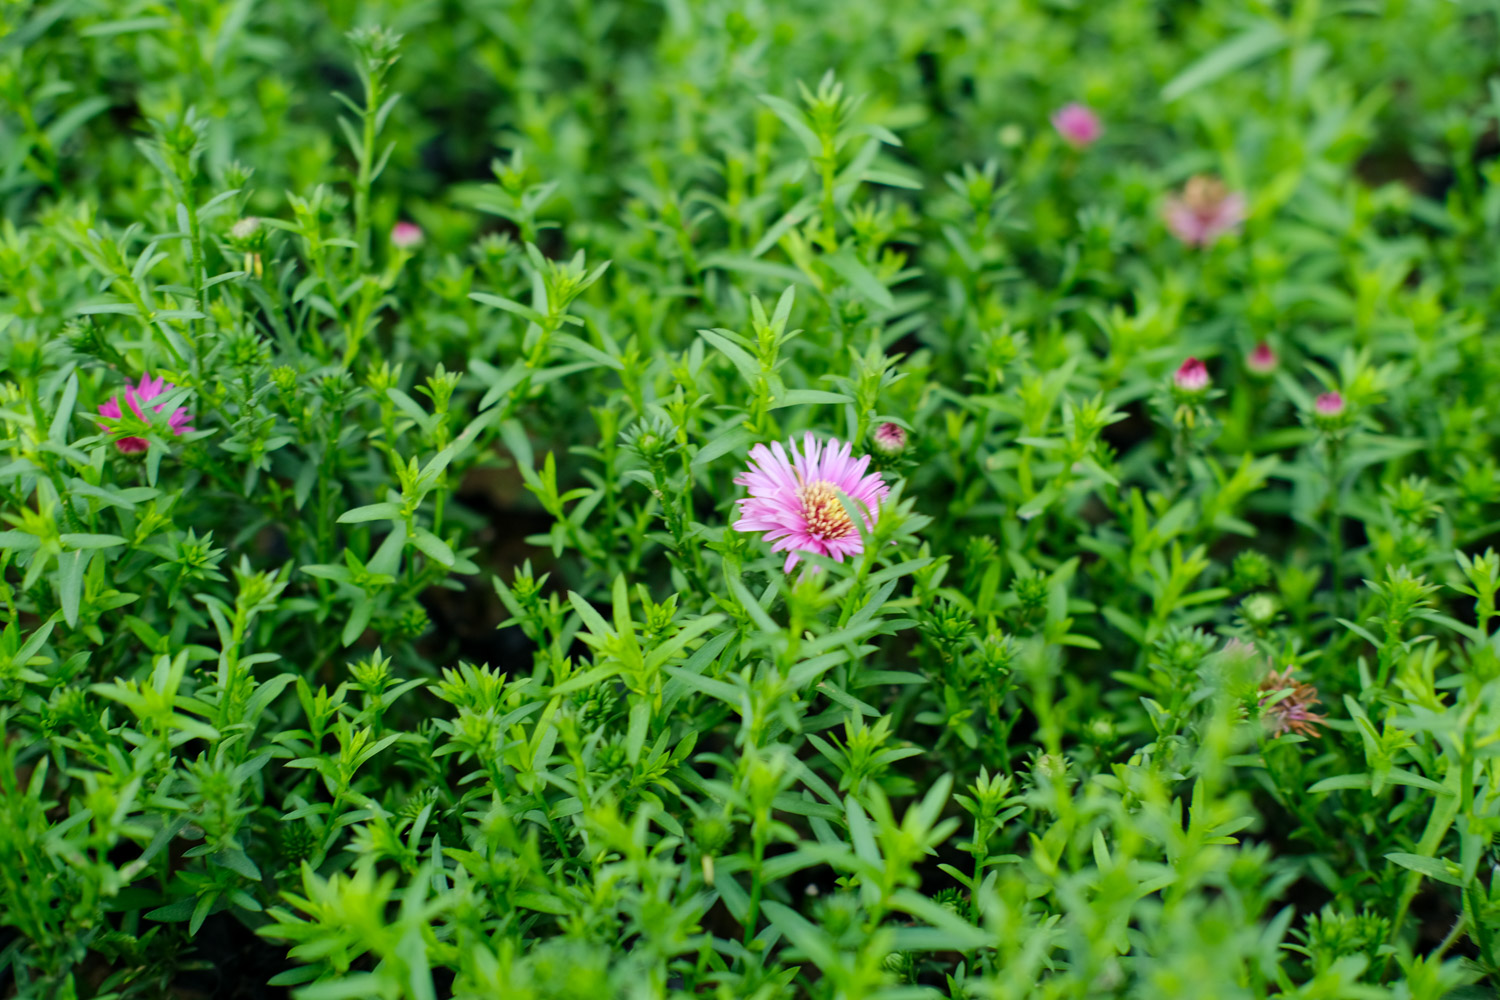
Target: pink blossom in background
<point x="1205" y="211"/>
<point x="1192" y="377"/>
<point x="1262" y="360"/>
<point x="135" y="395"/>
<point x="1077" y="124"/>
<point x="405" y="235"/>
<point x="890" y="439"/>
<point x="794" y="498"/>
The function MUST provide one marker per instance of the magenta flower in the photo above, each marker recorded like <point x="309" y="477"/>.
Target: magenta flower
<point x="795" y="500"/>
<point x="405" y="235"/>
<point x="890" y="439"/>
<point x="1205" y="211"/>
<point x="1192" y="377"/>
<point x="1262" y="360"/>
<point x="1077" y="124"/>
<point x="135" y="395"/>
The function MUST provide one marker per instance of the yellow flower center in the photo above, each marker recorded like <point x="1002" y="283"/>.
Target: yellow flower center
<point x="825" y="516"/>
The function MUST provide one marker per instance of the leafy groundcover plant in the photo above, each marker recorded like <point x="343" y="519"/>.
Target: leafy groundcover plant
<point x="733" y="498"/>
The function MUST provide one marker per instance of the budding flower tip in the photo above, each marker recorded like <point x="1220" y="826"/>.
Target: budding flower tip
<point x="1263" y="360"/>
<point x="890" y="439"/>
<point x="405" y="235"/>
<point x="1191" y="377"/>
<point x="1078" y="124"/>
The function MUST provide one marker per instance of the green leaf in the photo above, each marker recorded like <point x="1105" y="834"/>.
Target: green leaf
<point x="372" y="512"/>
<point x="736" y="437"/>
<point x="79" y="540"/>
<point x="1039" y="503"/>
<point x="542" y="903"/>
<point x="236" y="861"/>
<point x="792" y="116"/>
<point x="355" y="986"/>
<point x="434" y="547"/>
<point x="1238" y="52"/>
<point x="723" y="691"/>
<point x="864" y="283"/>
<point x="181" y="909"/>
<point x="784" y="225"/>
<point x="70" y="121"/>
<point x="126" y="25"/>
<point x="800" y="397"/>
<point x="748" y="367"/>
<point x="1434" y="868"/>
<point x="359" y="617"/>
<point x="58" y="432"/>
<point x="803" y="935"/>
<point x="509" y="305"/>
<point x="1339" y="782"/>
<point x="70" y="570"/>
<point x="19" y="541"/>
<point x="99" y="308"/>
<point x="591" y="618"/>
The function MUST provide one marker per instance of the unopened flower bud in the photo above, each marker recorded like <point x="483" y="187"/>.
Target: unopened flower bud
<point x="1078" y="125"/>
<point x="1260" y="609"/>
<point x="1191" y="380"/>
<point x="1331" y="411"/>
<point x="406" y="235"/>
<point x="1263" y="360"/>
<point x="890" y="440"/>
<point x="246" y="228"/>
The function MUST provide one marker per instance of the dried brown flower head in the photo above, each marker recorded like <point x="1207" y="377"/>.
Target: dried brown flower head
<point x="1291" y="713"/>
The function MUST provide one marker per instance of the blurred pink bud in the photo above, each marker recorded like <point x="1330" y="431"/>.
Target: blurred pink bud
<point x="1262" y="360"/>
<point x="1329" y="404"/>
<point x="405" y="235"/>
<point x="1192" y="377"/>
<point x="1077" y="124"/>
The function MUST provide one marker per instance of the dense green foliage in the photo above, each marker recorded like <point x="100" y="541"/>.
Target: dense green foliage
<point x="418" y="655"/>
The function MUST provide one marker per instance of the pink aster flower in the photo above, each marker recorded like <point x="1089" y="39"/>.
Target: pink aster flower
<point x="148" y="389"/>
<point x="1077" y="124"/>
<point x="405" y="235"/>
<point x="890" y="439"/>
<point x="1192" y="377"/>
<point x="1205" y="211"/>
<point x="795" y="501"/>
<point x="1263" y="360"/>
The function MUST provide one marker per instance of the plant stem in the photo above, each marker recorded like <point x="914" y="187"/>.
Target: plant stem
<point x="365" y="179"/>
<point x="1335" y="525"/>
<point x="752" y="916"/>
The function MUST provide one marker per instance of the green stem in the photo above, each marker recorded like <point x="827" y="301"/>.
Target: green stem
<point x="195" y="240"/>
<point x="1335" y="525"/>
<point x="752" y="917"/>
<point x="1179" y="455"/>
<point x="366" y="168"/>
<point x="1444" y="811"/>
